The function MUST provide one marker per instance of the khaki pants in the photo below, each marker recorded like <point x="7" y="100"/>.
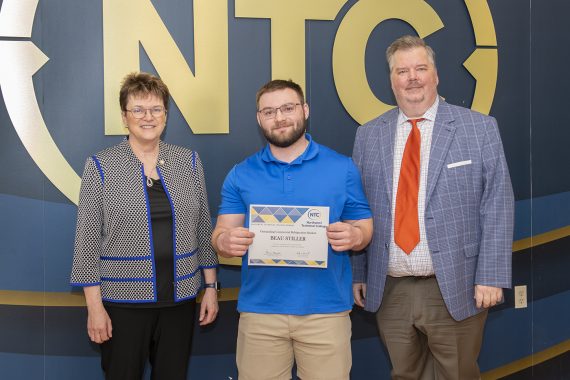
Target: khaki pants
<point x="269" y="343"/>
<point x="423" y="340"/>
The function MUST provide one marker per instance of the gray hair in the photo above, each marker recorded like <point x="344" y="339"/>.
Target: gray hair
<point x="406" y="43"/>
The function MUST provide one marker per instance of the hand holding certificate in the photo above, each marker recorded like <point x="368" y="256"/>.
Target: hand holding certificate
<point x="293" y="236"/>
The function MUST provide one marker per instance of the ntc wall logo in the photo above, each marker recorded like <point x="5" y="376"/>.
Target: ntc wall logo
<point x="202" y="94"/>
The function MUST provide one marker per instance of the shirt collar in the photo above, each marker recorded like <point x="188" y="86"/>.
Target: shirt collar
<point x="310" y="152"/>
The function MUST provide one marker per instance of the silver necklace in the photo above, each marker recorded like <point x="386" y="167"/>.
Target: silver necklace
<point x="149" y="180"/>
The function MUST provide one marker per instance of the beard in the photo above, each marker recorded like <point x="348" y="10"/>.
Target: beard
<point x="288" y="139"/>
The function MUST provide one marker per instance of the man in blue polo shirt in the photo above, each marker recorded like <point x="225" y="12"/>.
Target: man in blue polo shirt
<point x="292" y="314"/>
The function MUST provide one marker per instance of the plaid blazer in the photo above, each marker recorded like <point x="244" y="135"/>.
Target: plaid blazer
<point x="469" y="212"/>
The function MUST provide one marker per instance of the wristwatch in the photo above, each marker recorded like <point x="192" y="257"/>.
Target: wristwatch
<point x="214" y="285"/>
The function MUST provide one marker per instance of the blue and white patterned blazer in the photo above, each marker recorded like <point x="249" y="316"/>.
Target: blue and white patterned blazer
<point x="469" y="212"/>
<point x="113" y="240"/>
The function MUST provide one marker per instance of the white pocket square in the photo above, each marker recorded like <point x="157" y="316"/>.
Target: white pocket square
<point x="459" y="163"/>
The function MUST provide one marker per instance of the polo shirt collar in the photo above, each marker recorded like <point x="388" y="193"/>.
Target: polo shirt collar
<point x="310" y="152"/>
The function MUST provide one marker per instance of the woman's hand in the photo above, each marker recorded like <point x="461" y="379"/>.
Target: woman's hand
<point x="99" y="325"/>
<point x="209" y="307"/>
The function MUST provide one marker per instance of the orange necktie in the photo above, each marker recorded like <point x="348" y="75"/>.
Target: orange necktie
<point x="406" y="225"/>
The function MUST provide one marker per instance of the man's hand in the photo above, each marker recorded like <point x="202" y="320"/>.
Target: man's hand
<point x="350" y="234"/>
<point x="487" y="296"/>
<point x="359" y="291"/>
<point x="230" y="238"/>
<point x="234" y="241"/>
<point x="343" y="236"/>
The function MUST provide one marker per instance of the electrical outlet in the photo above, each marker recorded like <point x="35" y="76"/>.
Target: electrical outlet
<point x="520" y="297"/>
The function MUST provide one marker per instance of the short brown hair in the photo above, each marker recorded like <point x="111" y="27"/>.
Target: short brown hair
<point x="142" y="84"/>
<point x="279" y="84"/>
<point x="406" y="43"/>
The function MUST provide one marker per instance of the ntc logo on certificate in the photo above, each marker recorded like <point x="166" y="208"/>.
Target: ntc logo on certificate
<point x="314" y="214"/>
<point x="289" y="236"/>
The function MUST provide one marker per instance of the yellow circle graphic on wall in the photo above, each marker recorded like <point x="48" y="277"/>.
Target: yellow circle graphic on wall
<point x="350" y="46"/>
<point x="22" y="59"/>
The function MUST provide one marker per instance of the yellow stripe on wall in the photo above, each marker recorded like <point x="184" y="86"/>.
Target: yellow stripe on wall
<point x="540" y="239"/>
<point x="34" y="298"/>
<point x="71" y="299"/>
<point x="527" y="362"/>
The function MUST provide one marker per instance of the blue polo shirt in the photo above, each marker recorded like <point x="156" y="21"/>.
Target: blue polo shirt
<point x="318" y="177"/>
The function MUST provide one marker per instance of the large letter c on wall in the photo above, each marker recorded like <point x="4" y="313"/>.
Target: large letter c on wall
<point x="350" y="49"/>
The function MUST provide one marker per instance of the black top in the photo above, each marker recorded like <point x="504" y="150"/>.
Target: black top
<point x="163" y="246"/>
<point x="161" y="220"/>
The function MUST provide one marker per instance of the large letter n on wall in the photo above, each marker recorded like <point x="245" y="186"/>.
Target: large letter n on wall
<point x="202" y="96"/>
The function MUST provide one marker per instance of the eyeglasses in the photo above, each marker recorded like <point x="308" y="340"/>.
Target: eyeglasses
<point x="139" y="112"/>
<point x="286" y="109"/>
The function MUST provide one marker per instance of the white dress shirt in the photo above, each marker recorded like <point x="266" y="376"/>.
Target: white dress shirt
<point x="418" y="262"/>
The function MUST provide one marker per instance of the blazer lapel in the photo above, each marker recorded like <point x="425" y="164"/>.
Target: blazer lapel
<point x="388" y="134"/>
<point x="443" y="132"/>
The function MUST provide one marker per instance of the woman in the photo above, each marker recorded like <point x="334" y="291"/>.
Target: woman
<point x="143" y="234"/>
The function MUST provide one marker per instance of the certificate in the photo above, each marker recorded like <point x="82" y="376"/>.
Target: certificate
<point x="289" y="236"/>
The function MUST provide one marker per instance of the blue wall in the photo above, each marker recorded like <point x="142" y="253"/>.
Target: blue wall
<point x="37" y="221"/>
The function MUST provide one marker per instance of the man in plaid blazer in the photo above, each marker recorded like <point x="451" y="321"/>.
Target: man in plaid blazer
<point x="431" y="300"/>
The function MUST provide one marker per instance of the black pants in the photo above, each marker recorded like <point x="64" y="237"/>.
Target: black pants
<point x="162" y="336"/>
